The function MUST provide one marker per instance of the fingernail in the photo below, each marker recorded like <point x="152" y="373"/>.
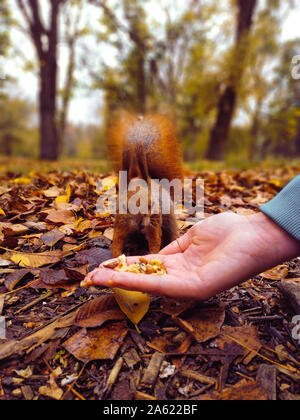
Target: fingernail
<point x="86" y="282"/>
<point x="110" y="264"/>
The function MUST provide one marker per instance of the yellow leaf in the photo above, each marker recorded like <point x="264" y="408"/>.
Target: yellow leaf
<point x="24" y="259"/>
<point x="135" y="305"/>
<point x="78" y="221"/>
<point x="22" y="180"/>
<point x="82" y="225"/>
<point x="64" y="198"/>
<point x="275" y="182"/>
<point x="2" y="212"/>
<point x="102" y="215"/>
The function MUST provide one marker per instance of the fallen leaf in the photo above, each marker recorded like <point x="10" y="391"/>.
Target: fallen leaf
<point x="205" y="322"/>
<point x="10" y="229"/>
<point x="60" y="217"/>
<point x="246" y="336"/>
<point x="52" y="237"/>
<point x="175" y="307"/>
<point x="52" y="391"/>
<point x="64" y="198"/>
<point x="52" y="192"/>
<point x="134" y="304"/>
<point x="100" y="343"/>
<point x="276" y="273"/>
<point x="24" y="259"/>
<point x="53" y="278"/>
<point x="109" y="233"/>
<point x="97" y="311"/>
<point x="25" y="373"/>
<point x="243" y="390"/>
<point x="22" y="180"/>
<point x="13" y="279"/>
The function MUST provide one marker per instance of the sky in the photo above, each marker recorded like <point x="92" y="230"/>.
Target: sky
<point x="85" y="106"/>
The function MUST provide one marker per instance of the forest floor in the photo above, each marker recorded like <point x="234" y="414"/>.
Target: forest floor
<point x="67" y="342"/>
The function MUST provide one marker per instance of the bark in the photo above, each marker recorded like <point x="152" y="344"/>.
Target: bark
<point x="67" y="95"/>
<point x="45" y="43"/>
<point x="141" y="82"/>
<point x="227" y="101"/>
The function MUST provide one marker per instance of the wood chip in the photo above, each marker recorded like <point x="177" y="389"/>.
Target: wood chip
<point x="266" y="376"/>
<point x="113" y="375"/>
<point x="27" y="392"/>
<point x="131" y="358"/>
<point x="142" y="396"/>
<point x="191" y="374"/>
<point x="152" y="370"/>
<point x="291" y="290"/>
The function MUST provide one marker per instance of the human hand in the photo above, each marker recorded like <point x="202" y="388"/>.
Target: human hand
<point x="214" y="255"/>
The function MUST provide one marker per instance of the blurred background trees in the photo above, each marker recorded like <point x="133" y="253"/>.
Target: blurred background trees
<point x="220" y="67"/>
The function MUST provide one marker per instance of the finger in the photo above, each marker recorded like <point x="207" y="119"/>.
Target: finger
<point x="179" y="245"/>
<point x="153" y="284"/>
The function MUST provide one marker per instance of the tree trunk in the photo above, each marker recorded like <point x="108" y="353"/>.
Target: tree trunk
<point x="227" y="101"/>
<point x="141" y="82"/>
<point x="7" y="145"/>
<point x="220" y="132"/>
<point x="67" y="95"/>
<point x="47" y="109"/>
<point x="45" y="41"/>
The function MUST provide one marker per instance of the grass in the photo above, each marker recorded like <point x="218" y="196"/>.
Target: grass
<point x="23" y="166"/>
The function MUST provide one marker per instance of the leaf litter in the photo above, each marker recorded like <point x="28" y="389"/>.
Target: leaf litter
<point x="72" y="343"/>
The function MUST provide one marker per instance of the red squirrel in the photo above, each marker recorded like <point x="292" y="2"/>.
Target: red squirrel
<point x="147" y="148"/>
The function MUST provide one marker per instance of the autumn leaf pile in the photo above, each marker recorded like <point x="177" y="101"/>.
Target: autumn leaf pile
<point x="51" y="236"/>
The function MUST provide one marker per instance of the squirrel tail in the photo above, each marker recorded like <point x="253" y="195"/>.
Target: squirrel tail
<point x="131" y="158"/>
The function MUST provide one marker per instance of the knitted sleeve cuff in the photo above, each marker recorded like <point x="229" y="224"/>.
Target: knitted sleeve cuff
<point x="284" y="209"/>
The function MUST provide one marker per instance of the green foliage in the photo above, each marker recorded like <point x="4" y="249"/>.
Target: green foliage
<point x="17" y="136"/>
<point x="177" y="60"/>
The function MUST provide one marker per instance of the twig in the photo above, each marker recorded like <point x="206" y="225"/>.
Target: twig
<point x="70" y="387"/>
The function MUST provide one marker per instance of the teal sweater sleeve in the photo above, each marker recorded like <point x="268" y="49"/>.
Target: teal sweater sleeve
<point x="284" y="209"/>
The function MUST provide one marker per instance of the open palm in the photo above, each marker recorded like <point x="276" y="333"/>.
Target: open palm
<point x="212" y="256"/>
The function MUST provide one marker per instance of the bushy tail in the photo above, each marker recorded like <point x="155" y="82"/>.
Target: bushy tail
<point x="125" y="155"/>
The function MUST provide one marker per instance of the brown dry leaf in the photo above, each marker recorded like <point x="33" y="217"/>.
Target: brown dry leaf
<point x="52" y="192"/>
<point x="175" y="307"/>
<point x="51" y="391"/>
<point x="52" y="237"/>
<point x="76" y="274"/>
<point x="205" y="323"/>
<point x="60" y="217"/>
<point x="276" y="273"/>
<point x="13" y="279"/>
<point x="25" y="259"/>
<point x="243" y="390"/>
<point x="109" y="233"/>
<point x="100" y="343"/>
<point x="97" y="311"/>
<point x="246" y="335"/>
<point x="53" y="278"/>
<point x="82" y="225"/>
<point x="93" y="256"/>
<point x="10" y="229"/>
